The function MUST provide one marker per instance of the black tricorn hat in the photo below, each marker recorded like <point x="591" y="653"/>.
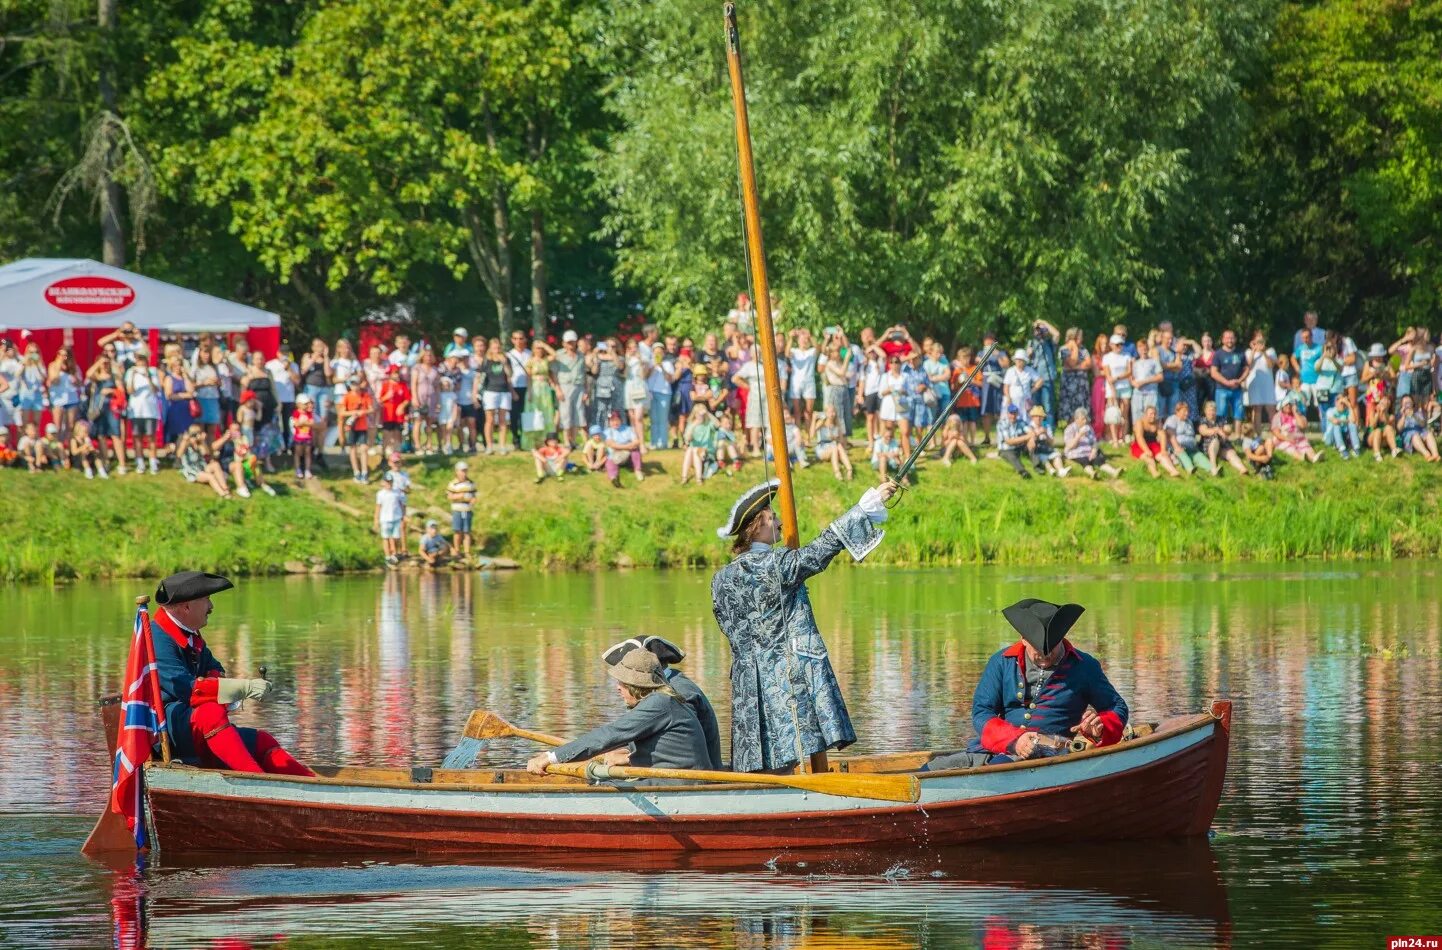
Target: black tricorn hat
<point x="1044" y="625"/>
<point x="664" y="650"/>
<point x="189" y="585"/>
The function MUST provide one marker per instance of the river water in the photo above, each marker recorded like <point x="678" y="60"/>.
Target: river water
<point x="1329" y="833"/>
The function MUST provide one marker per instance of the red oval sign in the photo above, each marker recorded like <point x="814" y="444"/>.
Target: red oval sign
<point x="89" y="295"/>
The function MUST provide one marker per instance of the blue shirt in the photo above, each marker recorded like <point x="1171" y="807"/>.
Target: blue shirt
<point x="1229" y="364"/>
<point x="1043" y="358"/>
<point x="1307" y="355"/>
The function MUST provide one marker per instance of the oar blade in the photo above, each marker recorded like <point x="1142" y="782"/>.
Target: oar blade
<point x="883" y="788"/>
<point x="484" y="724"/>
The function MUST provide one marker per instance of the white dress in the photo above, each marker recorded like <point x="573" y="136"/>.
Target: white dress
<point x="892" y="384"/>
<point x="145" y="394"/>
<point x="803" y="373"/>
<point x="756" y="394"/>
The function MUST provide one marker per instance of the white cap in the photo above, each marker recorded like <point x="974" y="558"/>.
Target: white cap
<point x="603" y="345"/>
<point x="51" y="428"/>
<point x="569" y="337"/>
<point x="460" y="331"/>
<point x="1019" y="355"/>
<point x="1117" y="339"/>
<point x="462" y="467"/>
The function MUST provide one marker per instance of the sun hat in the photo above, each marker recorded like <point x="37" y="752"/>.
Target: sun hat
<point x="462" y="467"/>
<point x="247" y="395"/>
<point x="1376" y="352"/>
<point x="569" y="337"/>
<point x="748" y="506"/>
<point x="1019" y="356"/>
<point x="1117" y="339"/>
<point x="637" y="668"/>
<point x="1037" y="411"/>
<point x="51" y="428"/>
<point x="594" y="430"/>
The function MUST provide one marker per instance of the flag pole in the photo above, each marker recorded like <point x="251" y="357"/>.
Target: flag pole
<point x="141" y="603"/>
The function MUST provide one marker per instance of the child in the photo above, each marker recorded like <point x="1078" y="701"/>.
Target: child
<point x="885" y="449"/>
<point x="1258" y="449"/>
<point x="245" y="469"/>
<point x="8" y="455"/>
<point x="29" y="448"/>
<point x="354" y="414"/>
<point x="698" y="439"/>
<point x="726" y="447"/>
<point x="302" y="436"/>
<point x="550" y="459"/>
<point x="462" y="494"/>
<point x="389" y="512"/>
<point x="83" y="450"/>
<point x="953" y="440"/>
<point x="1340" y="427"/>
<point x="434" y="548"/>
<point x="831" y="444"/>
<point x="593" y="453"/>
<point x="246" y="415"/>
<point x="395" y="398"/>
<point x="52" y="448"/>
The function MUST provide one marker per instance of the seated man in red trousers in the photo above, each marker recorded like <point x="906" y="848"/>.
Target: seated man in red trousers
<point x="197" y="692"/>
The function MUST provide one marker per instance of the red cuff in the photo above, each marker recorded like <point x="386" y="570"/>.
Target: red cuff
<point x="1112" y="726"/>
<point x="204" y="691"/>
<point x="998" y="735"/>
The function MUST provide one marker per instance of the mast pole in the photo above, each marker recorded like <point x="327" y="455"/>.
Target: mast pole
<point x="765" y="333"/>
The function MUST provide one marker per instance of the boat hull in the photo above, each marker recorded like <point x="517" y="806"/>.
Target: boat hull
<point x="1165" y="786"/>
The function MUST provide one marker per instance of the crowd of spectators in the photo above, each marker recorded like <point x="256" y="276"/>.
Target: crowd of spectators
<point x="227" y="418"/>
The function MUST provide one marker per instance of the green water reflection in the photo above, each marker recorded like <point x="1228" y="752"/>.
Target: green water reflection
<point x="1328" y="832"/>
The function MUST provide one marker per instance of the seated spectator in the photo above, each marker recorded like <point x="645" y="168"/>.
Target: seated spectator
<point x="593" y="452"/>
<point x="698" y="441"/>
<point x="953" y="441"/>
<point x="795" y="450"/>
<point x="1079" y="443"/>
<point x="193" y="455"/>
<point x="622" y="445"/>
<point x="52" y="448"/>
<point x="30" y="448"/>
<point x="1044" y="453"/>
<point x="1014" y="439"/>
<point x="1379" y="430"/>
<point x="1216" y="441"/>
<point x="1412" y="432"/>
<point x="1147" y="437"/>
<point x="435" y="550"/>
<point x="885" y="450"/>
<point x="1289" y="430"/>
<point x="390" y="512"/>
<point x="8" y="455"/>
<point x="461" y="492"/>
<point x="550" y="459"/>
<point x="832" y="443"/>
<point x="1181" y="436"/>
<point x="1339" y="424"/>
<point x="246" y="471"/>
<point x="83" y="451"/>
<point x="1257" y="444"/>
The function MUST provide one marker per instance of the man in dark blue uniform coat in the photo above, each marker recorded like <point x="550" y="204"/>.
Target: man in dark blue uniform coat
<point x="1038" y="694"/>
<point x="195" y="689"/>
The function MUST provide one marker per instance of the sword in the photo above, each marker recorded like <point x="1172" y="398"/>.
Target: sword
<point x="922" y="443"/>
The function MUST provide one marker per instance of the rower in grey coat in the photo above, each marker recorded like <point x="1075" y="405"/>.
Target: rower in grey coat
<point x="668" y="653"/>
<point x="658" y="730"/>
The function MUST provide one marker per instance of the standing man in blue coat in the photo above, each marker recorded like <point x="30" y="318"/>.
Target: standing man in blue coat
<point x="1038" y="694"/>
<point x="786" y="706"/>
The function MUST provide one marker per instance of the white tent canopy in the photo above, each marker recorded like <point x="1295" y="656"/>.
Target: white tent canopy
<point x="50" y="294"/>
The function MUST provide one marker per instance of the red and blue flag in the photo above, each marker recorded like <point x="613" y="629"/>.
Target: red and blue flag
<point x="142" y="722"/>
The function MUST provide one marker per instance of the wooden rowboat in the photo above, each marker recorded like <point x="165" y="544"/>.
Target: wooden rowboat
<point x="1166" y="784"/>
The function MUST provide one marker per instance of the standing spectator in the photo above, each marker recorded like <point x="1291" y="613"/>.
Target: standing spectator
<point x="1169" y="389"/>
<point x="920" y="400"/>
<point x="938" y="374"/>
<point x="1309" y="326"/>
<point x="205" y="380"/>
<point x="550" y="456"/>
<point x="127" y="342"/>
<point x="343" y="365"/>
<point x="33" y="399"/>
<point x="1187" y="376"/>
<point x="180" y="409"/>
<point x="1080" y="446"/>
<point x="1128" y="348"/>
<point x="1262" y="386"/>
<point x="356" y="408"/>
<point x="375" y="368"/>
<point x="258" y="381"/>
<point x="460" y="345"/>
<point x="622" y="443"/>
<point x="607" y="389"/>
<point x="1202" y="369"/>
<point x="389" y="513"/>
<point x="1100" y="385"/>
<point x="403" y="353"/>
<point x="752" y="381"/>
<point x="1421" y="360"/>
<point x="539" y="417"/>
<point x="1014" y="439"/>
<point x="966" y="375"/>
<point x="1228" y="367"/>
<point x="302" y="434"/>
<point x="873" y="371"/>
<point x="1146" y="382"/>
<point x="461" y="493"/>
<point x="836" y="380"/>
<point x="637" y="392"/>
<point x="1147" y="442"/>
<point x="1340" y="427"/>
<point x="82" y="451"/>
<point x="425" y="391"/>
<point x="448" y="381"/>
<point x="568" y="375"/>
<point x="395" y="400"/>
<point x="1118" y="367"/>
<point x="804" y="358"/>
<point x="247" y="416"/>
<point x="1304" y="364"/>
<point x="10" y="387"/>
<point x="1042" y="350"/>
<point x="142" y="398"/>
<point x="285" y="376"/>
<point x="895" y="397"/>
<point x="1327" y="380"/>
<point x="993" y="378"/>
<point x="65" y="386"/>
<point x="518" y="356"/>
<point x="467" y="414"/>
<point x="1021" y="383"/>
<point x="1216" y="440"/>
<point x="107" y="405"/>
<point x="1351" y="367"/>
<point x="1289" y="430"/>
<point x="1076" y="364"/>
<point x="497" y="395"/>
<point x="1181" y="435"/>
<point x="317" y="383"/>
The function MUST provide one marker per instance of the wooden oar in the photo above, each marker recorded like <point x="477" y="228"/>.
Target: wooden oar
<point x="886" y="788"/>
<point x="485" y="724"/>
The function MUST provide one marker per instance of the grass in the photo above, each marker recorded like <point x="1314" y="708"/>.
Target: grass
<point x="64" y="527"/>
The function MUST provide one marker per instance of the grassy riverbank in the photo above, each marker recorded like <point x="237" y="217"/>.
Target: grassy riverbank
<point x="61" y="526"/>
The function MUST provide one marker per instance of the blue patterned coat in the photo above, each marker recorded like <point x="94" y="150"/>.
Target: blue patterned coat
<point x="785" y="701"/>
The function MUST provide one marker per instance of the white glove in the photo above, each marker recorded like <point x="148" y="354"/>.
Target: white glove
<point x="233" y="690"/>
<point x="873" y="503"/>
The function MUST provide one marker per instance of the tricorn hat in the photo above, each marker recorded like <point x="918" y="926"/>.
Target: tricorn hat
<point x="638" y="668"/>
<point x="748" y="506"/>
<point x="1043" y="625"/>
<point x="664" y="650"/>
<point x="189" y="585"/>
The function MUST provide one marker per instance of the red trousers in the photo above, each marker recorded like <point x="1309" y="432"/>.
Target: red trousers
<point x="223" y="745"/>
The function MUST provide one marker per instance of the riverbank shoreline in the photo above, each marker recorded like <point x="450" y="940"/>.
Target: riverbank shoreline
<point x="65" y="528"/>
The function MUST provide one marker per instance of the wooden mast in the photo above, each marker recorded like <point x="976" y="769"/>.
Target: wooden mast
<point x="765" y="333"/>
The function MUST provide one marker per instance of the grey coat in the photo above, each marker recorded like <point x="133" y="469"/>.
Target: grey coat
<point x="705" y="715"/>
<point x="662" y="731"/>
<point x="785" y="701"/>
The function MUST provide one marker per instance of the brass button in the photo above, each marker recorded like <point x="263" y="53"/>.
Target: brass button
<point x="1032" y="706"/>
<point x="1026" y="715"/>
<point x="1020" y="695"/>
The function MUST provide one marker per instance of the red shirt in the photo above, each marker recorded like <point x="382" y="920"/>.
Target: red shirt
<point x="895" y="347"/>
<point x="394" y="394"/>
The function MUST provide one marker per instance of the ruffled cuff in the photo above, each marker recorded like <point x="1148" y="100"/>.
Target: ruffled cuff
<point x="858" y="534"/>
